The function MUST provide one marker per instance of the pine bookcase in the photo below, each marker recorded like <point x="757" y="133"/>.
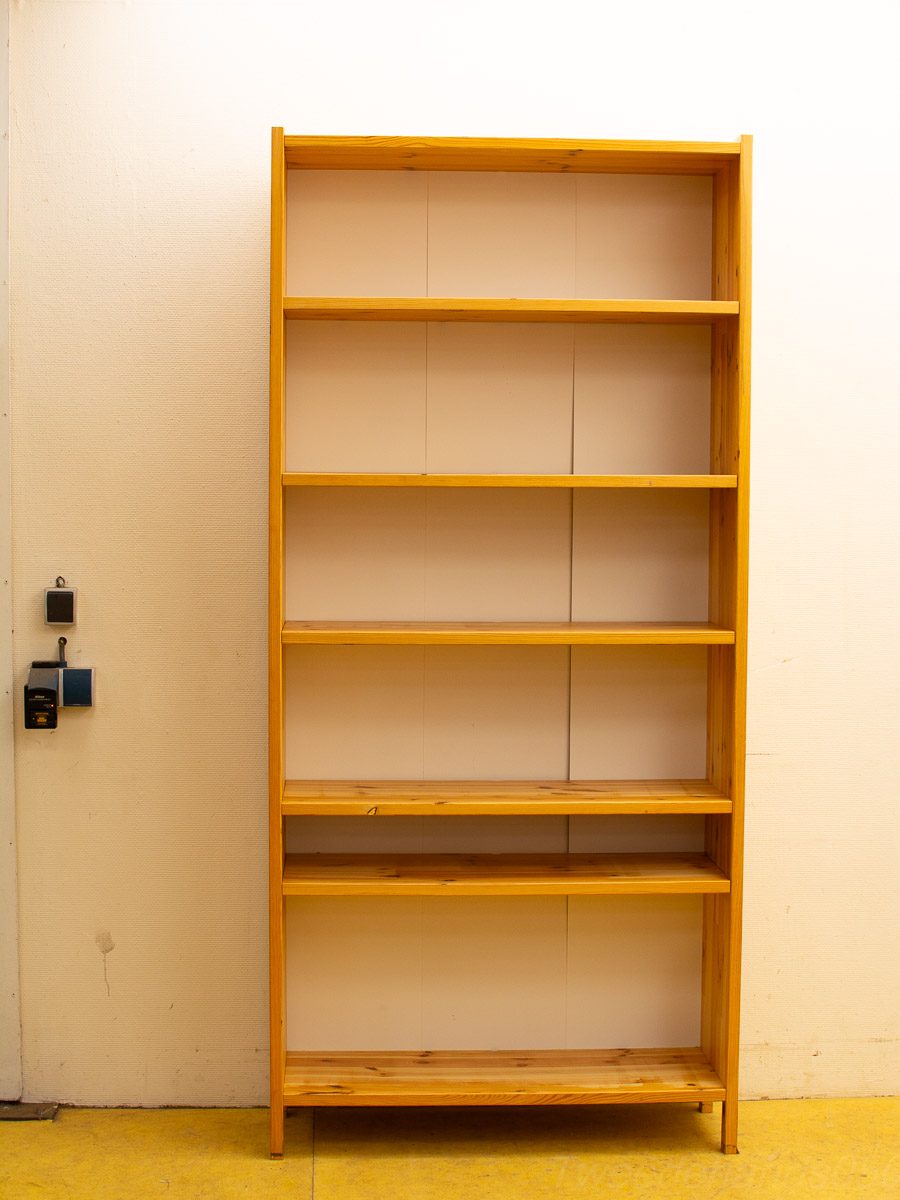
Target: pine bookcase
<point x="432" y="1074"/>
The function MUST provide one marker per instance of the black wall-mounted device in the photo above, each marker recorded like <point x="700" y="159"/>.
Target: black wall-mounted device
<point x="59" y="604"/>
<point x="42" y="697"/>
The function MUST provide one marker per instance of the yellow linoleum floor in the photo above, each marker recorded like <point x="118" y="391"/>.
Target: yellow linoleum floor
<point x="792" y="1148"/>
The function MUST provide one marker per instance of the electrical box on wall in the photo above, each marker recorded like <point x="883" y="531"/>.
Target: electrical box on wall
<point x="53" y="685"/>
<point x="59" y="605"/>
<point x="76" y="687"/>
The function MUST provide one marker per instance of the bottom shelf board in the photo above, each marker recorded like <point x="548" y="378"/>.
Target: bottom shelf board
<point x="446" y="1077"/>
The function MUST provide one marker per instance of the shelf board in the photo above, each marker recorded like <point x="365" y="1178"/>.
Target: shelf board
<point x="438" y="308"/>
<point x="447" y="1077"/>
<point x="505" y="633"/>
<point x="501" y="874"/>
<point x="382" y="479"/>
<point x="336" y="797"/>
<point x="507" y="154"/>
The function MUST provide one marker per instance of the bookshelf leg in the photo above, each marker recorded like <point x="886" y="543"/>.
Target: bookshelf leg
<point x="729" y="1127"/>
<point x="705" y="1106"/>
<point x="277" y="1131"/>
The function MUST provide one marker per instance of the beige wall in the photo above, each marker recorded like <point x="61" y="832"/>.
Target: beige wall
<point x="139" y="215"/>
<point x="10" y="1024"/>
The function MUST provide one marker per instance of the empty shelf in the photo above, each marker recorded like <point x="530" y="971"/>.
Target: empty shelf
<point x="405" y="1077"/>
<point x="335" y="797"/>
<point x="501" y="874"/>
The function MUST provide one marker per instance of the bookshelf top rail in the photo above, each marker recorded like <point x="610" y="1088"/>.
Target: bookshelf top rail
<point x="508" y="154"/>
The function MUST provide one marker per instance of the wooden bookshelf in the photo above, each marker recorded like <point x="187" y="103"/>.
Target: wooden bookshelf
<point x="704" y="1073"/>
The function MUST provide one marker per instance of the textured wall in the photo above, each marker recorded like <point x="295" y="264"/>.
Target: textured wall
<point x="139" y="217"/>
<point x="140" y="379"/>
<point x="10" y="1032"/>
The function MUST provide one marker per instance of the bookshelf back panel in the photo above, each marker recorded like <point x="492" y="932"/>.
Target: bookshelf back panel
<point x="494" y="835"/>
<point x="647" y="236"/>
<point x="641" y="399"/>
<point x="640" y="555"/>
<point x="497" y="398"/>
<point x="632" y="971"/>
<point x="355" y="396"/>
<point x="462" y="554"/>
<point x="352" y="233"/>
<point x="499" y="973"/>
<point x="374" y="712"/>
<point x="411" y="554"/>
<point x="501" y="234"/>
<point x="638" y="712"/>
<point x="495" y="712"/>
<point x="634" y="835"/>
<point x="429" y="835"/>
<point x="496" y="233"/>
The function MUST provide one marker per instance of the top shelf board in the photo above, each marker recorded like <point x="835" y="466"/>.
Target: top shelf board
<point x="457" y="308"/>
<point x="508" y="154"/>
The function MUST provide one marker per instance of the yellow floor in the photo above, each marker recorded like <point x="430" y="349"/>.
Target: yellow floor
<point x="790" y="1148"/>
